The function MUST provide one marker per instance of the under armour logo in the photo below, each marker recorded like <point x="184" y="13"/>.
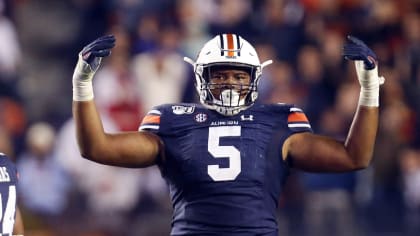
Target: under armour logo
<point x="249" y="117"/>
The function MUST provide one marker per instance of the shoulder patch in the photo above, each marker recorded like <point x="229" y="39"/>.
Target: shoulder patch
<point x="181" y="110"/>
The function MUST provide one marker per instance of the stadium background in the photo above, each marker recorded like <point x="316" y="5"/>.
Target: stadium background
<point x="62" y="194"/>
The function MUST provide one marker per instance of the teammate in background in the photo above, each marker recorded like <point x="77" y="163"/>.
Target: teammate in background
<point x="10" y="219"/>
<point x="225" y="160"/>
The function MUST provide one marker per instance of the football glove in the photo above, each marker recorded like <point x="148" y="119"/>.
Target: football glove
<point x="355" y="49"/>
<point x="88" y="63"/>
<point x="365" y="61"/>
<point x="91" y="55"/>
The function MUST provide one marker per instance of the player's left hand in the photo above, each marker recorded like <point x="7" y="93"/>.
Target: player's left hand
<point x="356" y="49"/>
<point x="366" y="62"/>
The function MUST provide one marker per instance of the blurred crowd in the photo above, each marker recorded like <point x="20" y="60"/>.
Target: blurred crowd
<point x="63" y="194"/>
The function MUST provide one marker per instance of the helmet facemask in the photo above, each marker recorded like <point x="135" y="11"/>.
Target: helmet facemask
<point x="227" y="98"/>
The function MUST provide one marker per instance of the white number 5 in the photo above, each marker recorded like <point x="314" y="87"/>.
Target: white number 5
<point x="231" y="172"/>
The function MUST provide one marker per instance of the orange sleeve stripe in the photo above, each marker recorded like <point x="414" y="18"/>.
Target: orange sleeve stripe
<point x="151" y="119"/>
<point x="230" y="45"/>
<point x="297" y="117"/>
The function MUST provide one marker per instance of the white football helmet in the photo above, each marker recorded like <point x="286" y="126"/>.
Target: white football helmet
<point x="229" y="51"/>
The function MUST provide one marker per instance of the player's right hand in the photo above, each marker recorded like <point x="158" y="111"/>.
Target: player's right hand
<point x="101" y="47"/>
<point x="91" y="55"/>
<point x="88" y="63"/>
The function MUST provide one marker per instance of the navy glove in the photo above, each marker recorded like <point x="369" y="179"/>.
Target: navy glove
<point x="88" y="63"/>
<point x="365" y="62"/>
<point x="101" y="47"/>
<point x="355" y="49"/>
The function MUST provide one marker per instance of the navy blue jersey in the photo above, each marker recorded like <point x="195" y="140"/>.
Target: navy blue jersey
<point x="8" y="182"/>
<point x="225" y="173"/>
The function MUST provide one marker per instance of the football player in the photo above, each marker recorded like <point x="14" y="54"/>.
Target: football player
<point x="225" y="160"/>
<point x="10" y="219"/>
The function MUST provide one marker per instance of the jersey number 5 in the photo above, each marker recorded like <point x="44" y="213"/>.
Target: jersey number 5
<point x="217" y="151"/>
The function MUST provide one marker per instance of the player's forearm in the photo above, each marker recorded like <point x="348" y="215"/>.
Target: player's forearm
<point x="89" y="130"/>
<point x="361" y="138"/>
<point x="360" y="141"/>
<point x="129" y="149"/>
<point x="90" y="133"/>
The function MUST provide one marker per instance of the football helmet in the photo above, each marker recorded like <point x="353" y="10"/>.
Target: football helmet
<point x="229" y="51"/>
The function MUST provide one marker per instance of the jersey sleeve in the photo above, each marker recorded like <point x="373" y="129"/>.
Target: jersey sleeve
<point x="151" y="122"/>
<point x="11" y="167"/>
<point x="297" y="121"/>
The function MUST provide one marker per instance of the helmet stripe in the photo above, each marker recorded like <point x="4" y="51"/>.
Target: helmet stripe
<point x="231" y="46"/>
<point x="222" y="45"/>
<point x="238" y="45"/>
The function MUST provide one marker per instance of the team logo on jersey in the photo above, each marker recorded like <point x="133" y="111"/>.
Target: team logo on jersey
<point x="248" y="117"/>
<point x="180" y="110"/>
<point x="200" y="117"/>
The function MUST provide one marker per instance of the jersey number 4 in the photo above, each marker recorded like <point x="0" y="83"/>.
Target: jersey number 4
<point x="217" y="151"/>
<point x="7" y="218"/>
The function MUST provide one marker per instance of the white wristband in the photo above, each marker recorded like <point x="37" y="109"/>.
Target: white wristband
<point x="82" y="90"/>
<point x="82" y="80"/>
<point x="369" y="97"/>
<point x="370" y="82"/>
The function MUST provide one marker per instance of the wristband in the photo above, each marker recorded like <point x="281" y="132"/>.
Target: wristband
<point x="82" y="81"/>
<point x="370" y="82"/>
<point x="82" y="90"/>
<point x="369" y="97"/>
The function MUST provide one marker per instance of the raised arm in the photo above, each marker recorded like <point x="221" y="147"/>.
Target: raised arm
<point x="127" y="149"/>
<point x="311" y="152"/>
